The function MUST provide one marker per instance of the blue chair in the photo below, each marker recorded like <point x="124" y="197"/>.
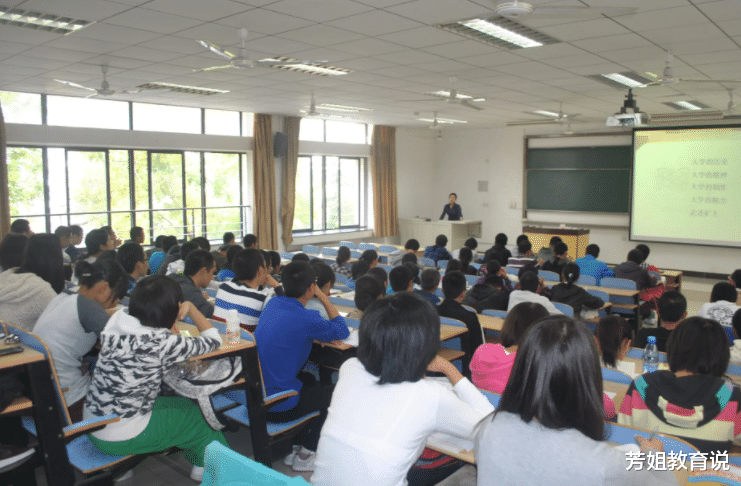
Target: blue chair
<point x="625" y="434"/>
<point x="124" y="301"/>
<point x="471" y="280"/>
<point x="355" y="254"/>
<point x="734" y="370"/>
<point x="342" y="302"/>
<point x="439" y="293"/>
<point x="340" y="278"/>
<point x="512" y="270"/>
<point x="494" y="313"/>
<point x="469" y="308"/>
<point x="386" y="249"/>
<point x="602" y="295"/>
<point x="367" y="246"/>
<point x="225" y="467"/>
<point x="210" y="292"/>
<point x="388" y="268"/>
<point x="621" y="305"/>
<point x="349" y="244"/>
<point x="327" y="251"/>
<point x="494" y="398"/>
<point x="286" y="256"/>
<point x="343" y="288"/>
<point x="734" y="459"/>
<point x="354" y="323"/>
<point x="477" y="266"/>
<point x="442" y="263"/>
<point x="427" y="262"/>
<point x="454" y="343"/>
<point x="638" y="353"/>
<point x="608" y="374"/>
<point x="586" y="280"/>
<point x="310" y="249"/>
<point x="549" y="276"/>
<point x="729" y="332"/>
<point x="566" y="309"/>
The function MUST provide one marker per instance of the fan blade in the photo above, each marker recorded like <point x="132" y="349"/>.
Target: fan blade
<point x="216" y="49"/>
<point x="74" y="85"/>
<point x="277" y="62"/>
<point x="213" y="68"/>
<point x="582" y="12"/>
<point x="429" y="99"/>
<point x="472" y="106"/>
<point x="684" y="80"/>
<point x="571" y="115"/>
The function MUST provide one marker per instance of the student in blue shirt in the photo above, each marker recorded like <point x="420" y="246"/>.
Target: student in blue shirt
<point x="132" y="258"/>
<point x="429" y="281"/>
<point x="589" y="265"/>
<point x="284" y="337"/>
<point x="437" y="251"/>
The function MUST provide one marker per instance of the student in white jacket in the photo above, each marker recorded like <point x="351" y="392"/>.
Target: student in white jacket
<point x="528" y="287"/>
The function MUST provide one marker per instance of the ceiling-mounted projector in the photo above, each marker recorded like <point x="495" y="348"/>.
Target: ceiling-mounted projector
<point x="629" y="114"/>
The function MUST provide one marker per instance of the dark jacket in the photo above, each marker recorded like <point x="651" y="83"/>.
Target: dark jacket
<point x="555" y="265"/>
<point x="172" y="256"/>
<point x="482" y="297"/>
<point x="194" y="295"/>
<point x="452" y="309"/>
<point x="662" y="336"/>
<point x="504" y="254"/>
<point x="633" y="271"/>
<point x="576" y="297"/>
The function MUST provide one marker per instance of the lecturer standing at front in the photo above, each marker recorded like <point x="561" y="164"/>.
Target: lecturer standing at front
<point x="452" y="209"/>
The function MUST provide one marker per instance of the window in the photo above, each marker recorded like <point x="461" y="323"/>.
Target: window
<point x="87" y="113"/>
<point x="26" y="185"/>
<point x="166" y="118"/>
<point x="330" y="193"/>
<point x="319" y="130"/>
<point x="21" y="107"/>
<point x="220" y="122"/>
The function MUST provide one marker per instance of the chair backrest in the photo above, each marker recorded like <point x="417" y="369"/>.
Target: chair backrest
<point x="386" y="249"/>
<point x="224" y="467"/>
<point x="549" y="276"/>
<point x="355" y="254"/>
<point x="638" y="353"/>
<point x="586" y="280"/>
<point x="608" y="374"/>
<point x="340" y="278"/>
<point x="512" y="270"/>
<point x="310" y="249"/>
<point x="600" y="293"/>
<point x="471" y="280"/>
<point x="367" y="246"/>
<point x="477" y="266"/>
<point x="734" y="370"/>
<point x="349" y="244"/>
<point x="343" y="288"/>
<point x="439" y="293"/>
<point x="566" y="309"/>
<point x="388" y="268"/>
<point x="625" y="434"/>
<point x="469" y="308"/>
<point x="618" y="283"/>
<point x="342" y="302"/>
<point x="494" y="313"/>
<point x="454" y="343"/>
<point x="354" y="323"/>
<point x="451" y="322"/>
<point x="286" y="256"/>
<point x="327" y="251"/>
<point x="729" y="333"/>
<point x="427" y="262"/>
<point x="493" y="398"/>
<point x="442" y="263"/>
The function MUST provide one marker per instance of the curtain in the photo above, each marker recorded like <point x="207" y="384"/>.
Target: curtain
<point x="4" y="183"/>
<point x="288" y="201"/>
<point x="264" y="211"/>
<point x="383" y="173"/>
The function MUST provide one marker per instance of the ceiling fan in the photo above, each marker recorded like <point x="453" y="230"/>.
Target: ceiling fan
<point x="550" y="118"/>
<point x="242" y="61"/>
<point x="453" y="96"/>
<point x="732" y="109"/>
<point x="104" y="90"/>
<point x="437" y="123"/>
<point x="313" y="113"/>
<point x="520" y="10"/>
<point x="667" y="76"/>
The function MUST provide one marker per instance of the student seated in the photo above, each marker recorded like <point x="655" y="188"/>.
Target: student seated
<point x="284" y="338"/>
<point x="367" y="290"/>
<point x="28" y="289"/>
<point x="96" y="242"/>
<point x="585" y="305"/>
<point x="384" y="408"/>
<point x="114" y="237"/>
<point x="202" y="243"/>
<point x="157" y="246"/>
<point x="134" y="262"/>
<point x="401" y="279"/>
<point x="229" y="238"/>
<point x="736" y="348"/>
<point x="325" y="279"/>
<point x="559" y="259"/>
<point x="548" y="253"/>
<point x="735" y="279"/>
<point x="589" y="265"/>
<point x="275" y="266"/>
<point x="249" y="291"/>
<point x="631" y="270"/>
<point x="359" y="269"/>
<point x="249" y="241"/>
<point x="412" y="258"/>
<point x="429" y="281"/>
<point x="65" y="237"/>
<point x="179" y="265"/>
<point x="490" y="294"/>
<point x="227" y="273"/>
<point x="21" y="227"/>
<point x="499" y="251"/>
<point x="198" y="273"/>
<point x="370" y="257"/>
<point x="157" y="259"/>
<point x="414" y="270"/>
<point x="136" y="346"/>
<point x="437" y="251"/>
<point x="136" y="235"/>
<point x="524" y="256"/>
<point x="645" y="250"/>
<point x="453" y="265"/>
<point x="550" y="419"/>
<point x="672" y="309"/>
<point x="72" y="322"/>
<point x="614" y="337"/>
<point x="300" y="257"/>
<point x="466" y="257"/>
<point x="722" y="304"/>
<point x="342" y="263"/>
<point x="76" y="239"/>
<point x="691" y="400"/>
<point x="381" y="275"/>
<point x="11" y="251"/>
<point x="527" y="292"/>
<point x="493" y="267"/>
<point x="454" y="290"/>
<point x="491" y="364"/>
<point x="220" y="257"/>
<point x="471" y="244"/>
<point x="411" y="246"/>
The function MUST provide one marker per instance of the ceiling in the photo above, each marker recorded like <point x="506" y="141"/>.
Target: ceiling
<point x="395" y="51"/>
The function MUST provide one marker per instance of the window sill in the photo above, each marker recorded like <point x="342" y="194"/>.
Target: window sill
<point x="307" y="238"/>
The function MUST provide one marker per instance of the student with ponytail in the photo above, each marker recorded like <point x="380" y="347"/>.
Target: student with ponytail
<point x="71" y="324"/>
<point x="567" y="292"/>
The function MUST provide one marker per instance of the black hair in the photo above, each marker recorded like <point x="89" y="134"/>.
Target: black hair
<point x="414" y="269"/>
<point x="108" y="230"/>
<point x="524" y="246"/>
<point x="430" y="279"/>
<point x="453" y="194"/>
<point x="129" y="254"/>
<point x="519" y="319"/>
<point x="611" y="332"/>
<point x="398" y="338"/>
<point x="521" y="238"/>
<point x="530" y="267"/>
<point x="268" y="259"/>
<point x="380" y="274"/>
<point x="700" y="346"/>
<point x="635" y="256"/>
<point x="529" y="281"/>
<point x="43" y="257"/>
<point x="20" y="226"/>
<point x="108" y="255"/>
<point x="359" y="269"/>
<point x="736" y="277"/>
<point x="724" y="291"/>
<point x="441" y="241"/>
<point x="247" y="263"/>
<point x="135" y="232"/>
<point x="454" y="265"/>
<point x="409" y="258"/>
<point x="500" y="239"/>
<point x="231" y="253"/>
<point x="644" y="249"/>
<point x="300" y="257"/>
<point x="94" y="240"/>
<point x="168" y="242"/>
<point x="155" y="301"/>
<point x="12" y="249"/>
<point x="412" y="244"/>
<point x="556" y="378"/>
<point x="465" y="255"/>
<point x="249" y="240"/>
<point x="560" y="248"/>
<point x="228" y="237"/>
<point x="343" y="255"/>
<point x="671" y="306"/>
<point x="571" y="274"/>
<point x="296" y="278"/>
<point x="274" y="259"/>
<point x="454" y="284"/>
<point x="736" y="323"/>
<point x="554" y="240"/>
<point x="198" y="259"/>
<point x="324" y="275"/>
<point x="63" y="231"/>
<point x="368" y="289"/>
<point x="75" y="229"/>
<point x="593" y="249"/>
<point x="399" y="278"/>
<point x="369" y="256"/>
<point x="494" y="281"/>
<point x="493" y="267"/>
<point x="186" y="248"/>
<point x="202" y="243"/>
<point x="159" y="240"/>
<point x="174" y="250"/>
<point x="109" y="271"/>
<point x="471" y="243"/>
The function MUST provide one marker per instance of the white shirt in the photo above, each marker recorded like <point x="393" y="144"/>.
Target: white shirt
<point x="721" y="311"/>
<point x="518" y="296"/>
<point x="374" y="433"/>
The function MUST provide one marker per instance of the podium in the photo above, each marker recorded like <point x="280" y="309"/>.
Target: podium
<point x="577" y="239"/>
<point x="426" y="231"/>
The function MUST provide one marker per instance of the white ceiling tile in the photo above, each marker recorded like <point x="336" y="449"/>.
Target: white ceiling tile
<point x="366" y="64"/>
<point x="495" y="59"/>
<point x="447" y="66"/>
<point x="115" y="33"/>
<point x="732" y="28"/>
<point x="699" y="46"/>
<point x="321" y="35"/>
<point x="584" y="30"/>
<point x="265" y="22"/>
<point x="603" y="68"/>
<point x="219" y="34"/>
<point x="575" y="61"/>
<point x="369" y="47"/>
<point x="439" y="11"/>
<point x="323" y="54"/>
<point x="722" y="11"/>
<point x="456" y="50"/>
<point x="712" y="57"/>
<point x="274" y="46"/>
<point x="87" y="45"/>
<point x="7" y="47"/>
<point x="10" y="33"/>
<point x="664" y="37"/>
<point x="665" y="18"/>
<point x="145" y="54"/>
<point x="634" y="54"/>
<point x="20" y="71"/>
<point x="319" y="10"/>
<point x="421" y="37"/>
<point x="92" y="10"/>
<point x="375" y="23"/>
<point x="198" y="9"/>
<point x="399" y="71"/>
<point x="35" y="62"/>
<point x="551" y="51"/>
<point x="409" y="56"/>
<point x="153" y="21"/>
<point x="612" y="42"/>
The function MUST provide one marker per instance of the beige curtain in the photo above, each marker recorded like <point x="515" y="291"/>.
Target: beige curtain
<point x="4" y="183"/>
<point x="383" y="172"/>
<point x="265" y="211"/>
<point x="288" y="201"/>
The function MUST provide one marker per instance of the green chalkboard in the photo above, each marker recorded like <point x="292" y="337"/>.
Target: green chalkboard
<point x="586" y="179"/>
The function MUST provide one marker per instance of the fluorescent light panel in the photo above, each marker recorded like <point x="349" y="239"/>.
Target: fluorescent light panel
<point x="41" y="21"/>
<point x="180" y="88"/>
<point x="330" y="106"/>
<point x="546" y="113"/>
<point x="488" y="28"/>
<point x="622" y="79"/>
<point x="441" y="120"/>
<point x="688" y="105"/>
<point x="458" y="95"/>
<point x="499" y="32"/>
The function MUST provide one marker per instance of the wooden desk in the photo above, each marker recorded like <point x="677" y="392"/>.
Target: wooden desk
<point x="225" y="348"/>
<point x="673" y="279"/>
<point x="491" y="323"/>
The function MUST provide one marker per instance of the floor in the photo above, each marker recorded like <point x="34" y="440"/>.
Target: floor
<point x="174" y="470"/>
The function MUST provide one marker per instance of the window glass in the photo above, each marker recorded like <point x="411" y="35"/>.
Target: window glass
<point x="119" y="181"/>
<point x="164" y="118"/>
<point x="311" y="130"/>
<point x="26" y="185"/>
<point x="302" y="210"/>
<point x="88" y="113"/>
<point x="167" y="193"/>
<point x="194" y="213"/>
<point x="141" y="192"/>
<point x="58" y="188"/>
<point x="345" y="132"/>
<point x="332" y="191"/>
<point x="248" y="124"/>
<point x="21" y="107"/>
<point x="349" y="192"/>
<point x="222" y="189"/>
<point x="87" y="188"/>
<point x="317" y="183"/>
<point x="220" y="122"/>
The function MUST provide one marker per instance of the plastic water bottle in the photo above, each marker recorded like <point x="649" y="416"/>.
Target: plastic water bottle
<point x="232" y="327"/>
<point x="650" y="356"/>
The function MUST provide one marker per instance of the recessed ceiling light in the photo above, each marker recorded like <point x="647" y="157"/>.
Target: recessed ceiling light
<point x="499" y="32"/>
<point x="622" y="79"/>
<point x="41" y="21"/>
<point x="180" y="88"/>
<point x="687" y="105"/>
<point x="626" y="79"/>
<point x="441" y="120"/>
<point x="488" y="28"/>
<point x="330" y="106"/>
<point x="458" y="95"/>
<point x="318" y="69"/>
<point x="546" y="113"/>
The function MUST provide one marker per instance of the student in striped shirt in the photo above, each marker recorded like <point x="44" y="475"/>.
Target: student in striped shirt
<point x="249" y="290"/>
